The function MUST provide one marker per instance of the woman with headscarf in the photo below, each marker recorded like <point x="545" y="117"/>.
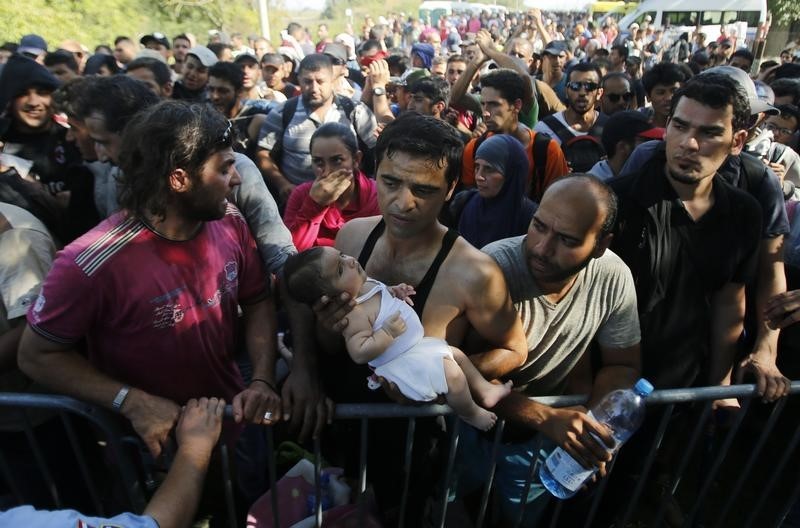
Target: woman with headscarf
<point x="498" y="207"/>
<point x="422" y="55"/>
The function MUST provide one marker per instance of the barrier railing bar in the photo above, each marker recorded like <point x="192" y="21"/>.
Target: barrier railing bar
<point x="598" y="496"/>
<point x="96" y="416"/>
<point x="788" y="452"/>
<point x="762" y="440"/>
<point x="487" y="490"/>
<point x="648" y="464"/>
<point x="412" y="424"/>
<point x="793" y="498"/>
<point x="9" y="478"/>
<point x="451" y="462"/>
<point x="362" y="473"/>
<point x="317" y="482"/>
<point x="526" y="489"/>
<point x="690" y="448"/>
<point x="230" y="506"/>
<point x="722" y="453"/>
<point x="556" y="513"/>
<point x="84" y="468"/>
<point x="272" y="475"/>
<point x="40" y="461"/>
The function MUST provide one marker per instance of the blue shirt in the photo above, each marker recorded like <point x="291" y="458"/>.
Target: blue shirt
<point x="31" y="518"/>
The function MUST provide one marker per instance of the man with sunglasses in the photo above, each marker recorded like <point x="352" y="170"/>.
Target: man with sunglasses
<point x="581" y="118"/>
<point x="618" y="94"/>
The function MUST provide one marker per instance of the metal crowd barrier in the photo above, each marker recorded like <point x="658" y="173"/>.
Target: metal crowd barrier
<point x="667" y="400"/>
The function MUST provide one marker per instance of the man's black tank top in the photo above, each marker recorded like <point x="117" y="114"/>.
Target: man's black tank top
<point x="426" y="284"/>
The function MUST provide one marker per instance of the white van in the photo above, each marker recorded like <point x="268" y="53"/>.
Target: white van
<point x="679" y="16"/>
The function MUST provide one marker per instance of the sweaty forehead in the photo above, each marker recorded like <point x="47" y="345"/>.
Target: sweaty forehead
<point x="413" y="168"/>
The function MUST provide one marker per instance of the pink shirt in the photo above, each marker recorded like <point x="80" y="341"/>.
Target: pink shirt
<point x="157" y="314"/>
<point x="314" y="225"/>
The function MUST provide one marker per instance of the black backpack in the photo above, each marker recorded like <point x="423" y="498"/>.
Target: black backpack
<point x="344" y="103"/>
<point x="581" y="152"/>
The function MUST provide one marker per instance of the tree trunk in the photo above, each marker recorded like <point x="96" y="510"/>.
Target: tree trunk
<point x="778" y="36"/>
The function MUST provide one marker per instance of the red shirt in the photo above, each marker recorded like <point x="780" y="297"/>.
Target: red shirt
<point x="314" y="225"/>
<point x="159" y="315"/>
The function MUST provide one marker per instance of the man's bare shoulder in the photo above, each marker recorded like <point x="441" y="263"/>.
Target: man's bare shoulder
<point x="471" y="267"/>
<point x="353" y="234"/>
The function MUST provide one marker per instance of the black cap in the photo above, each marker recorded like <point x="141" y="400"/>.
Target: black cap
<point x="155" y="37"/>
<point x="628" y="124"/>
<point x="555" y="47"/>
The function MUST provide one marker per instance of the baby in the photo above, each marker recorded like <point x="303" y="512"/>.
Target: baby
<point x="385" y="332"/>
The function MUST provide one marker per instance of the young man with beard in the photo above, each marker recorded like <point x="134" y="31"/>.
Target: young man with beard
<point x="691" y="239"/>
<point x="569" y="292"/>
<point x="583" y="93"/>
<point x="225" y="91"/>
<point x="316" y="105"/>
<point x="144" y="336"/>
<point x="578" y="128"/>
<point x="502" y="92"/>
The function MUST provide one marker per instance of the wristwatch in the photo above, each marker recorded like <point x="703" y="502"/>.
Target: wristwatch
<point x="379" y="91"/>
<point x="119" y="399"/>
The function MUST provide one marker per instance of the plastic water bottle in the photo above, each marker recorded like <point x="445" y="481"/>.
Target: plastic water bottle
<point x="622" y="411"/>
<point x="325" y="490"/>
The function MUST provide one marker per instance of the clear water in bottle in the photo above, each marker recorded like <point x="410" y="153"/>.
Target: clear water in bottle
<point x="623" y="412"/>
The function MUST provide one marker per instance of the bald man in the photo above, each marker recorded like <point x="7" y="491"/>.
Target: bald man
<point x="569" y="291"/>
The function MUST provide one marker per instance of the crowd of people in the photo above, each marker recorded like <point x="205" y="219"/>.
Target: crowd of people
<point x="565" y="204"/>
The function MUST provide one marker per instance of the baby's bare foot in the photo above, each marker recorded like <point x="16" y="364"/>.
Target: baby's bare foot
<point x="492" y="394"/>
<point x="481" y="419"/>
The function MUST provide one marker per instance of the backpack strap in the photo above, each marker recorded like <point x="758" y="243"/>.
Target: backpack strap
<point x="289" y="109"/>
<point x="599" y="124"/>
<point x="540" y="144"/>
<point x="558" y="128"/>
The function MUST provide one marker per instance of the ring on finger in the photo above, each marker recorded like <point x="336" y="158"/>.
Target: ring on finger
<point x="268" y="415"/>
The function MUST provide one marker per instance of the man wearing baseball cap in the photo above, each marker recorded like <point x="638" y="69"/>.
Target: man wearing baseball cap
<point x="253" y="85"/>
<point x="342" y="85"/>
<point x="33" y="47"/>
<point x="622" y="133"/>
<point x="158" y="42"/>
<point x="273" y="71"/>
<point x="192" y="87"/>
<point x="554" y="58"/>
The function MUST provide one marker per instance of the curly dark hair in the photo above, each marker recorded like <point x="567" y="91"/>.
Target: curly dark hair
<point x="160" y="139"/>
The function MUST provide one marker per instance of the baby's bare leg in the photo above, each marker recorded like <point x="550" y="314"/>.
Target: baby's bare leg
<point x="484" y="392"/>
<point x="459" y="398"/>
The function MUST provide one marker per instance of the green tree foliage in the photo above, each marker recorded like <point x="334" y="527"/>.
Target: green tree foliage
<point x="94" y="22"/>
<point x="784" y="12"/>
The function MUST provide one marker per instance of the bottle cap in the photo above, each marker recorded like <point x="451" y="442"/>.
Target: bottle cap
<point x="643" y="387"/>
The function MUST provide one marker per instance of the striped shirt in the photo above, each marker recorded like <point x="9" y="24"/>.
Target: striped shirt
<point x="296" y="158"/>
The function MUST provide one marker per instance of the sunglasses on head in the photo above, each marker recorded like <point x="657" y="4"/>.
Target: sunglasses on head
<point x="588" y="86"/>
<point x="614" y="98"/>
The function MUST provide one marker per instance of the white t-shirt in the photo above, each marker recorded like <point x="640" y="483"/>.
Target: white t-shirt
<point x="601" y="304"/>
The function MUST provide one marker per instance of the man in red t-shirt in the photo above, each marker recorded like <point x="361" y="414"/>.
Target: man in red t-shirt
<point x="154" y="290"/>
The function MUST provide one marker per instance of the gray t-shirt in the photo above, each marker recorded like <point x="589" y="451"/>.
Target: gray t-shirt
<point x="601" y="304"/>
